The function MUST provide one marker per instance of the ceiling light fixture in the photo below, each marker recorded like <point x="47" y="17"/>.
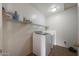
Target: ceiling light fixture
<point x="53" y="9"/>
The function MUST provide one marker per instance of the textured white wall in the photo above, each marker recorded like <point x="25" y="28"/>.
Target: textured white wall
<point x="78" y="28"/>
<point x="0" y="26"/>
<point x="65" y="24"/>
<point x="20" y="42"/>
<point x="0" y="15"/>
<point x="28" y="11"/>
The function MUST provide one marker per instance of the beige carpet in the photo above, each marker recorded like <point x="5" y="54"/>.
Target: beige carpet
<point x="61" y="51"/>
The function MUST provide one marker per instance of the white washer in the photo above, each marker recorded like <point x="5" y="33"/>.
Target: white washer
<point x="41" y="44"/>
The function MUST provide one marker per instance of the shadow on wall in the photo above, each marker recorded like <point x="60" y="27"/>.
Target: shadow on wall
<point x="25" y="51"/>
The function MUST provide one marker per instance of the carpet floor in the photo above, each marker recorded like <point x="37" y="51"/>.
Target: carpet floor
<point x="61" y="51"/>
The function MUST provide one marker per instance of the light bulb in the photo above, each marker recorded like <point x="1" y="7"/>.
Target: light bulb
<point x="53" y="9"/>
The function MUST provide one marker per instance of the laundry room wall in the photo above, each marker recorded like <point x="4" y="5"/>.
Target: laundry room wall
<point x="20" y="43"/>
<point x="78" y="28"/>
<point x="65" y="24"/>
<point x="0" y="26"/>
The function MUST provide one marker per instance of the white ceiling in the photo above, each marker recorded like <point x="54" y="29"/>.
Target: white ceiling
<point x="45" y="8"/>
